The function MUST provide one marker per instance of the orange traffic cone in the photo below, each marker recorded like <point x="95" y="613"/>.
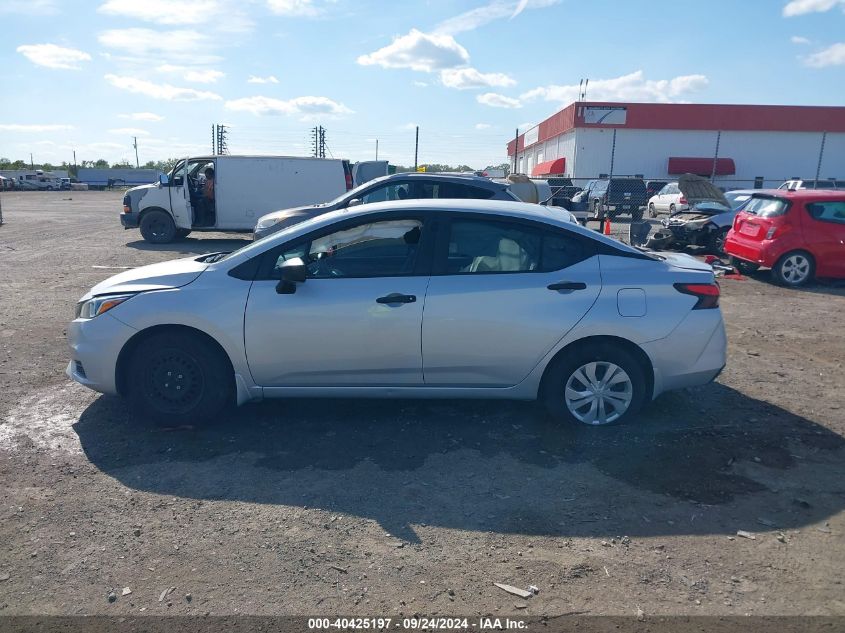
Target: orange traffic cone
<point x="607" y="226"/>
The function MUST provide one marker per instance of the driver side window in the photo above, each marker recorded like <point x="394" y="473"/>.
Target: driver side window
<point x="376" y="249"/>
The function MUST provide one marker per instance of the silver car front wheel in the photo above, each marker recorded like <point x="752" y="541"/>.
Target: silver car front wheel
<point x="598" y="392"/>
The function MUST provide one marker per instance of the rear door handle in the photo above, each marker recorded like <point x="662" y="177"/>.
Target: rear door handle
<point x="567" y="285"/>
<point x="397" y="298"/>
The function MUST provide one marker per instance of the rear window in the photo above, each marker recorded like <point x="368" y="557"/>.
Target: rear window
<point x="767" y="207"/>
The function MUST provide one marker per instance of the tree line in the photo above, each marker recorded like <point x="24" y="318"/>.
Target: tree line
<point x="100" y="163"/>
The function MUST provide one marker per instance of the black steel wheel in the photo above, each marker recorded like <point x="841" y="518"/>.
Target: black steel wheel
<point x="157" y="227"/>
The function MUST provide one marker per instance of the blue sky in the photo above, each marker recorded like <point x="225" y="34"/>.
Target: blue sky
<point x="91" y="74"/>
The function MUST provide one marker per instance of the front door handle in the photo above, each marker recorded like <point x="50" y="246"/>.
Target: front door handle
<point x="395" y="297"/>
<point x="567" y="285"/>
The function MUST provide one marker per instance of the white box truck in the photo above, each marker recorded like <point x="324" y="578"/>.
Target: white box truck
<point x="229" y="193"/>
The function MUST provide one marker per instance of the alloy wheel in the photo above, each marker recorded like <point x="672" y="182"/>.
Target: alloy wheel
<point x="598" y="392"/>
<point x="795" y="269"/>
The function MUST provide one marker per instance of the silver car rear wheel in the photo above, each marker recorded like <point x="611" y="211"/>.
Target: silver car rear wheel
<point x="598" y="392"/>
<point x="793" y="269"/>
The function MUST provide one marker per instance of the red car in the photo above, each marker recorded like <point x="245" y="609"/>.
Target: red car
<point x="798" y="234"/>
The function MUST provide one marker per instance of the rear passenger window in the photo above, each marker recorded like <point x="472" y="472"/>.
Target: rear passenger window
<point x="833" y="211"/>
<point x="560" y="251"/>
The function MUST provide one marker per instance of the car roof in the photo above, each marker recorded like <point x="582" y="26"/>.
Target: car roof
<point x="804" y="194"/>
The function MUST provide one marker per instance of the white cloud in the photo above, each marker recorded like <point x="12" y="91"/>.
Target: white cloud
<point x="421" y="84"/>
<point x="294" y="8"/>
<point x="194" y="75"/>
<point x="269" y="79"/>
<point x="140" y="42"/>
<point x="33" y="127"/>
<point x="160" y="91"/>
<point x="482" y="126"/>
<point x="833" y="55"/>
<point x="797" y="39"/>
<point x="409" y="126"/>
<point x="163" y="11"/>
<point x="496" y="10"/>
<point x="52" y="56"/>
<point x="305" y="107"/>
<point x="420" y="51"/>
<point x="129" y="131"/>
<point x="631" y="87"/>
<point x="464" y="78"/>
<point x="495" y="100"/>
<point x="29" y="7"/>
<point x="802" y="7"/>
<point x="142" y="116"/>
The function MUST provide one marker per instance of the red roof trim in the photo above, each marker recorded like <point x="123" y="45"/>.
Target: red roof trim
<point x="556" y="166"/>
<point x="690" y="116"/>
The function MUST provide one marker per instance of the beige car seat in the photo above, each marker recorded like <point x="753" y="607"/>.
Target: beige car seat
<point x="510" y="258"/>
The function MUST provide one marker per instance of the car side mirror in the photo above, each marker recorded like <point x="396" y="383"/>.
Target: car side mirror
<point x="293" y="272"/>
<point x="162" y="180"/>
<point x="354" y="202"/>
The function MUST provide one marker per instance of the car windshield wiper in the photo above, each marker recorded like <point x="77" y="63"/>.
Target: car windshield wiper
<point x="212" y="257"/>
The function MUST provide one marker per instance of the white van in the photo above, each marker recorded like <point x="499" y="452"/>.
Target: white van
<point x="237" y="191"/>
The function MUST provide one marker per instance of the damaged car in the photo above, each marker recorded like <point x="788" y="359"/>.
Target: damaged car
<point x="705" y="222"/>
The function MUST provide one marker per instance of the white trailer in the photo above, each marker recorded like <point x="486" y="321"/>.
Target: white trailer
<point x="244" y="189"/>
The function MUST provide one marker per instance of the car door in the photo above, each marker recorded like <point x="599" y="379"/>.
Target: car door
<point x="180" y="195"/>
<point x="503" y="293"/>
<point x="823" y="229"/>
<point x="356" y="319"/>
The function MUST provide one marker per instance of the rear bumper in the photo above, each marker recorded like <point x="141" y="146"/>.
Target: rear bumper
<point x="129" y="220"/>
<point x="692" y="355"/>
<point x="762" y="253"/>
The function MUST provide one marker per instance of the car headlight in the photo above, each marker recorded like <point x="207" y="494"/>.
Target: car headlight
<point x="265" y="223"/>
<point x="98" y="305"/>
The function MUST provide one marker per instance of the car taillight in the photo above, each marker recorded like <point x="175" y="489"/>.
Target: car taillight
<point x="771" y="232"/>
<point x="682" y="200"/>
<point x="737" y="222"/>
<point x="707" y="294"/>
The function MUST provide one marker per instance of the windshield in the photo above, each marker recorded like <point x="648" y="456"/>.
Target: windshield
<point x="258" y="244"/>
<point x="737" y="199"/>
<point x="767" y="207"/>
<point x="710" y="207"/>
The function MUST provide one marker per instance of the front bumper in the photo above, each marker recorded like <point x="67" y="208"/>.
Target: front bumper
<point x="129" y="220"/>
<point x="95" y="345"/>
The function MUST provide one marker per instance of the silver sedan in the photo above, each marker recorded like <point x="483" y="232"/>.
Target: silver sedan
<point x="413" y="299"/>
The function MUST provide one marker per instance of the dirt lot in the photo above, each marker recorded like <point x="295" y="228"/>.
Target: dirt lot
<point x="382" y="507"/>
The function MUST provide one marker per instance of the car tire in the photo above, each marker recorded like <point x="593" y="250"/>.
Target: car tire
<point x="744" y="267"/>
<point x="716" y="240"/>
<point x="178" y="379"/>
<point x="671" y="209"/>
<point x="157" y="227"/>
<point x="181" y="234"/>
<point x="569" y="374"/>
<point x="794" y="269"/>
<point x="652" y="212"/>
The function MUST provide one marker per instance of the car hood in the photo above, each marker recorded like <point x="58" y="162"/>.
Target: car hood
<point x="697" y="189"/>
<point x="143" y="188"/>
<point x="162" y="276"/>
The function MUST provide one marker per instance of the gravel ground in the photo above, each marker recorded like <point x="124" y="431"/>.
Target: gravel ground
<point x="402" y="507"/>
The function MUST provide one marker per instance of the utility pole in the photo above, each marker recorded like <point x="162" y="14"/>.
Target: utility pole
<point x="819" y="164"/>
<point x="221" y="140"/>
<point x="31" y="162"/>
<point x="376" y="149"/>
<point x="515" y="151"/>
<point x="135" y="145"/>
<point x="318" y="137"/>
<point x="75" y="170"/>
<point x="213" y="139"/>
<point x="715" y="156"/>
<point x="416" y="148"/>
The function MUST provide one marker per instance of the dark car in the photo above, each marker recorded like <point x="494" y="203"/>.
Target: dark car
<point x="611" y="197"/>
<point x="402" y="186"/>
